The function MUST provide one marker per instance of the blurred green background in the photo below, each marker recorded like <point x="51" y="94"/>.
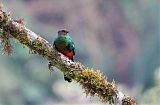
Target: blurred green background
<point x="119" y="37"/>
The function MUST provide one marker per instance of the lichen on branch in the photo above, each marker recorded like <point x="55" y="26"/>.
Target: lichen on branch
<point x="93" y="82"/>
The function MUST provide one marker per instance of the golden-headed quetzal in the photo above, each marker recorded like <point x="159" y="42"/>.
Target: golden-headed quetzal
<point x="64" y="44"/>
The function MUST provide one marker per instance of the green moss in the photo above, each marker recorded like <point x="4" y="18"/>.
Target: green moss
<point x="5" y="41"/>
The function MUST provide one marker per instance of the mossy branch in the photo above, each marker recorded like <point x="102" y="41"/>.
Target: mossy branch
<point x="93" y="82"/>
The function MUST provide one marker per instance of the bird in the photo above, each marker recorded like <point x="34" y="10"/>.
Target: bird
<point x="64" y="44"/>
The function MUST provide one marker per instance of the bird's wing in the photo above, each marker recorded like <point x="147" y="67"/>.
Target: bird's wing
<point x="60" y="44"/>
<point x="71" y="47"/>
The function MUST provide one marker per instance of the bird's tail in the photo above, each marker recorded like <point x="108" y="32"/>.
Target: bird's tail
<point x="67" y="78"/>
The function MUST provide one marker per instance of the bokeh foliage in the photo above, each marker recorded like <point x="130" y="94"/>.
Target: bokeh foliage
<point x="121" y="37"/>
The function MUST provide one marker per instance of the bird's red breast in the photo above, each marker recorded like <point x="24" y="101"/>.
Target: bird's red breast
<point x="69" y="55"/>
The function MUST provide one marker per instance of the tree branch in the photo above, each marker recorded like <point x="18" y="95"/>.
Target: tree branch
<point x="93" y="82"/>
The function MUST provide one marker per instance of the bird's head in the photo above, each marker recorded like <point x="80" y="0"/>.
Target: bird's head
<point x="63" y="32"/>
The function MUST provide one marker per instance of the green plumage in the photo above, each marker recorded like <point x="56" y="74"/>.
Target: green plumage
<point x="64" y="44"/>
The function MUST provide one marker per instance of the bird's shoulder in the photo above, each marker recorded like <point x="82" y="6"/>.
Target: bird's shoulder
<point x="61" y="41"/>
